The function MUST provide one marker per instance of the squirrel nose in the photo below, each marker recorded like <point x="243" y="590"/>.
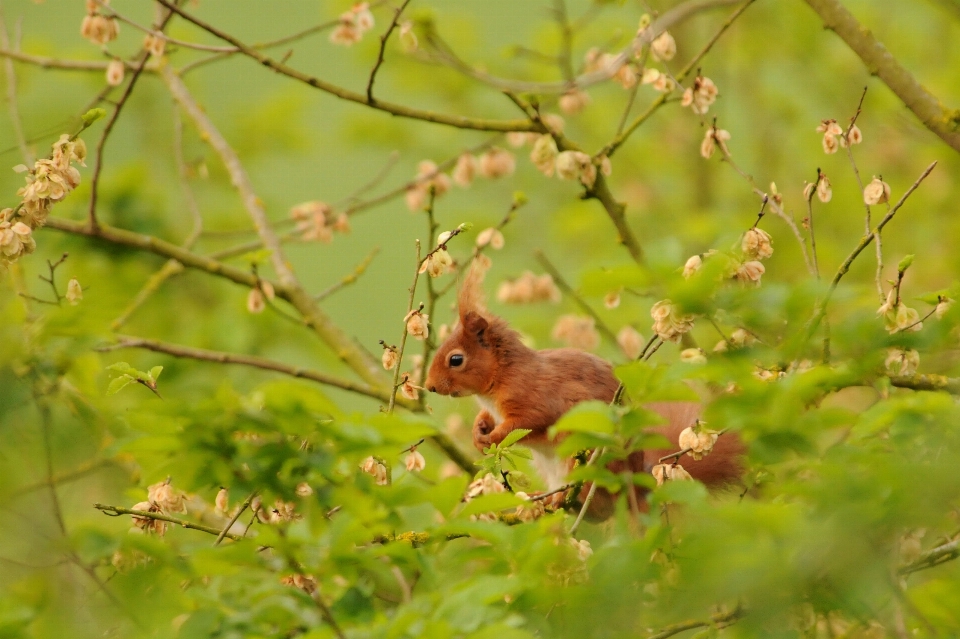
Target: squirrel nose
<point x="433" y="389"/>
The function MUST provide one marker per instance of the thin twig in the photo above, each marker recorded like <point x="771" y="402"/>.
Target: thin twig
<point x="864" y="243"/>
<point x="116" y="511"/>
<point x="238" y="175"/>
<point x="141" y="63"/>
<point x="12" y="102"/>
<point x="590" y="493"/>
<point x="457" y="121"/>
<point x="253" y="361"/>
<point x="383" y="48"/>
<point x="618" y="141"/>
<point x="233" y="520"/>
<point x="568" y="290"/>
<point x="350" y="278"/>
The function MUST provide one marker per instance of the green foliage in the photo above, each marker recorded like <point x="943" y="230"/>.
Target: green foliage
<point x="850" y="473"/>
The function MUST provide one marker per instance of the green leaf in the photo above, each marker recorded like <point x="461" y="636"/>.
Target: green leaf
<point x="905" y="263"/>
<point x="155" y="372"/>
<point x="588" y="417"/>
<point x="121" y="367"/>
<point x="118" y="384"/>
<point x="514" y="437"/>
<point x="490" y="503"/>
<point x="92" y="116"/>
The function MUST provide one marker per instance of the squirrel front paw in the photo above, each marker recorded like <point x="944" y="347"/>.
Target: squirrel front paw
<point x="483" y="427"/>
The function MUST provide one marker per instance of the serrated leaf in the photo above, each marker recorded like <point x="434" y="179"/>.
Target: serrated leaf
<point x="514" y="437"/>
<point x="120" y="367"/>
<point x="118" y="384"/>
<point x="517" y="452"/>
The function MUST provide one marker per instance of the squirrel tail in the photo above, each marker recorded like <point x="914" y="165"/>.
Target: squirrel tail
<point x="471" y="296"/>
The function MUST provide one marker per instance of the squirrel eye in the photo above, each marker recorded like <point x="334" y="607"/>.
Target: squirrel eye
<point x="456" y="360"/>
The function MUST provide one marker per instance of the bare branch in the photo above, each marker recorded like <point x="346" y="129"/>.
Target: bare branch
<point x="252" y="361"/>
<point x="238" y="175"/>
<point x="352" y="96"/>
<point x="383" y="48"/>
<point x="116" y="511"/>
<point x="878" y="60"/>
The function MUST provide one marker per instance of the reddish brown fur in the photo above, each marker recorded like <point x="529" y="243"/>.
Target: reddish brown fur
<point x="532" y="389"/>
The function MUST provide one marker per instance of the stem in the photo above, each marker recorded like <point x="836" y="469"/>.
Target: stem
<point x="383" y="46"/>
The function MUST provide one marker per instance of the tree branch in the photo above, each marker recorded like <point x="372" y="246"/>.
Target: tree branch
<point x="188" y="352"/>
<point x="383" y="48"/>
<point x="568" y="290"/>
<point x="459" y="122"/>
<point x="926" y="106"/>
<point x="238" y="175"/>
<point x="116" y="511"/>
<point x="933" y="557"/>
<point x="864" y="243"/>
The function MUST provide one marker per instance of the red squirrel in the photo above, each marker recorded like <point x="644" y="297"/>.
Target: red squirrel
<point x="519" y="387"/>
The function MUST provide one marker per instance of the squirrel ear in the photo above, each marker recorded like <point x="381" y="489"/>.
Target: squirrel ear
<point x="473" y="323"/>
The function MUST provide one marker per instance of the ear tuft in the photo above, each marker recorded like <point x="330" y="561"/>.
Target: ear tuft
<point x="474" y="323"/>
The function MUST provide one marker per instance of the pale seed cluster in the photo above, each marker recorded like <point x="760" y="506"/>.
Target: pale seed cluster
<point x="714" y="138"/>
<point x="700" y="96"/>
<point x="98" y="28"/>
<point x="437" y="263"/>
<point x="529" y="288"/>
<point x="373" y="467"/>
<point x="74" y="292"/>
<point x="877" y="192"/>
<point x="353" y="24"/>
<point x="531" y="509"/>
<point x="417" y="324"/>
<point x="258" y="297"/>
<point x="306" y="583"/>
<point x="48" y="182"/>
<point x="415" y="461"/>
<point x="834" y="136"/>
<point x="161" y="498"/>
<point x="576" y="332"/>
<point x="490" y="237"/>
<point x="697" y="440"/>
<point x="901" y="361"/>
<point x="668" y="322"/>
<point x="115" y="71"/>
<point x="739" y="338"/>
<point x="897" y="316"/>
<point x="630" y="341"/>
<point x="316" y="221"/>
<point x="693" y="356"/>
<point x="669" y="472"/>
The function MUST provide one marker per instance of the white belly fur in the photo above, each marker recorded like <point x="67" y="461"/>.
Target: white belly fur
<point x="551" y="468"/>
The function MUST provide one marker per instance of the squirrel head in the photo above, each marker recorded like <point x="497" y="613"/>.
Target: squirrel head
<point x="467" y="362"/>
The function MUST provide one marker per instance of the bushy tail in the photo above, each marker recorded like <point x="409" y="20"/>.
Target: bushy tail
<point x="471" y="297"/>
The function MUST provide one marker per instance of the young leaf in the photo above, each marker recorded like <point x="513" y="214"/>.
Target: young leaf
<point x="118" y="384"/>
<point x="514" y="437"/>
<point x="155" y="372"/>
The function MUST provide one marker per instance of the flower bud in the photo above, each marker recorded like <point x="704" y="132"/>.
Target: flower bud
<point x="255" y="301"/>
<point x="877" y="192"/>
<point x="415" y="461"/>
<point x="417" y="324"/>
<point x="389" y="359"/>
<point x="74" y="292"/>
<point x="115" y="70"/>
